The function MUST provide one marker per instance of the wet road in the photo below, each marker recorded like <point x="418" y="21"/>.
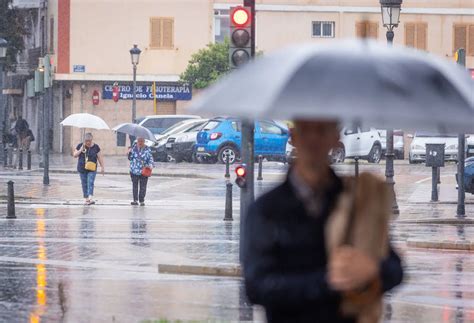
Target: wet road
<point x="74" y="263"/>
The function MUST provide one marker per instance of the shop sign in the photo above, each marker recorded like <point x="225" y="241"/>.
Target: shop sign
<point x="164" y="91"/>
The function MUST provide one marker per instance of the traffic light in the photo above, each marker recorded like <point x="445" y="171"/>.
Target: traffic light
<point x="460" y="56"/>
<point x="240" y="36"/>
<point x="241" y="172"/>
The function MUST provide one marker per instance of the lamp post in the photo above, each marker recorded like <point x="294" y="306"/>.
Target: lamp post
<point x="391" y="18"/>
<point x="135" y="55"/>
<point x="3" y="54"/>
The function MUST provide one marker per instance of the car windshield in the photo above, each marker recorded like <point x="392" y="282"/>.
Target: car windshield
<point x="180" y="126"/>
<point x="196" y="127"/>
<point x="434" y="134"/>
<point x="139" y="120"/>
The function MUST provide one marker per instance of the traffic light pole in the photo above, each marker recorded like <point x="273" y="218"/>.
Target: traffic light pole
<point x="461" y="211"/>
<point x="247" y="195"/>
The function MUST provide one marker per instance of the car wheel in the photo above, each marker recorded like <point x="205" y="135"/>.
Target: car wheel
<point x="375" y="154"/>
<point x="229" y="151"/>
<point x="411" y="161"/>
<point x="338" y="155"/>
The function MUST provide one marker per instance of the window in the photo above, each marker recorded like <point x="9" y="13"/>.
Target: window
<point x="221" y="25"/>
<point x="270" y="129"/>
<point x="367" y="29"/>
<point x="415" y="35"/>
<point x="323" y="29"/>
<point x="236" y="126"/>
<point x="211" y="125"/>
<point x="162" y="33"/>
<point x="464" y="38"/>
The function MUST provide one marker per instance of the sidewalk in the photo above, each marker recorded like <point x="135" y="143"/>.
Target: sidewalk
<point x="112" y="260"/>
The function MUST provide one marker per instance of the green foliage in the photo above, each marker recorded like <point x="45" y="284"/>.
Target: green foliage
<point x="207" y="65"/>
<point x="12" y="29"/>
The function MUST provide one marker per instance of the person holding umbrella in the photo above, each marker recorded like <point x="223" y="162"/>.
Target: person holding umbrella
<point x="141" y="164"/>
<point x="88" y="154"/>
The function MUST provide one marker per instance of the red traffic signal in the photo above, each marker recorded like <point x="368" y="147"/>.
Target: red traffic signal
<point x="241" y="172"/>
<point x="240" y="16"/>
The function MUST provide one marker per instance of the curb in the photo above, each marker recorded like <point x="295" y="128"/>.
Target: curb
<point x="438" y="221"/>
<point x="228" y="271"/>
<point x="445" y="244"/>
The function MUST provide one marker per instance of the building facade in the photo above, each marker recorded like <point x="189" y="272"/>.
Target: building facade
<point x="89" y="43"/>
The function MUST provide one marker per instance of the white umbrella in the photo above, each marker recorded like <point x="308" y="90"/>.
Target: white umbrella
<point x="85" y="120"/>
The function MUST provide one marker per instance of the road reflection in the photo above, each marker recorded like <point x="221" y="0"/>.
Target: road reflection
<point x="41" y="274"/>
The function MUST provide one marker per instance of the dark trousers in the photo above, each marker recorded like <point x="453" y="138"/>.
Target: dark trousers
<point x="142" y="181"/>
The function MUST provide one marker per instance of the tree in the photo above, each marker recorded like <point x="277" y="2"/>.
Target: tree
<point x="12" y="29"/>
<point x="207" y="65"/>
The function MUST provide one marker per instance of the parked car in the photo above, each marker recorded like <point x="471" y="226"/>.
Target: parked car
<point x="468" y="175"/>
<point x="180" y="146"/>
<point x="159" y="149"/>
<point x="157" y="124"/>
<point x="221" y="137"/>
<point x="418" y="146"/>
<point x="398" y="143"/>
<point x="364" y="143"/>
<point x="470" y="146"/>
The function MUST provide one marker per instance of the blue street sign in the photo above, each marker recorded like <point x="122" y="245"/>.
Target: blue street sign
<point x="79" y="68"/>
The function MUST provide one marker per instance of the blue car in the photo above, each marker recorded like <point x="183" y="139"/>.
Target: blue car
<point x="469" y="175"/>
<point x="221" y="137"/>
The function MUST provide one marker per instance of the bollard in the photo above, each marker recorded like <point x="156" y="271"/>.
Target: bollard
<point x="11" y="201"/>
<point x="260" y="162"/>
<point x="5" y="156"/>
<point x="228" y="202"/>
<point x="28" y="160"/>
<point x="356" y="166"/>
<point x="20" y="159"/>
<point x="227" y="166"/>
<point x="434" y="185"/>
<point x="10" y="157"/>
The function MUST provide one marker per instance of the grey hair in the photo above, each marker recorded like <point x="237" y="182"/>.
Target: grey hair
<point x="88" y="136"/>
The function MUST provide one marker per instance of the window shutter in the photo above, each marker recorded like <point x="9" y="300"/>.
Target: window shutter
<point x="410" y="35"/>
<point x="470" y="52"/>
<point x="373" y="30"/>
<point x="155" y="33"/>
<point x="361" y="30"/>
<point x="168" y="33"/>
<point x="421" y="36"/>
<point x="460" y="37"/>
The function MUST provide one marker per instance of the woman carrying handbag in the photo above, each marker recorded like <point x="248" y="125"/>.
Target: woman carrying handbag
<point x="141" y="164"/>
<point x="88" y="155"/>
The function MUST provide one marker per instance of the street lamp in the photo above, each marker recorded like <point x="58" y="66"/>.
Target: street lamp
<point x="135" y="55"/>
<point x="391" y="18"/>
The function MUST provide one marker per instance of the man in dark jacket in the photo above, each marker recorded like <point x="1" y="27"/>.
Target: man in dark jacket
<point x="285" y="264"/>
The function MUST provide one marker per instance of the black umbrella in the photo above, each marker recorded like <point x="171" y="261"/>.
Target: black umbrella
<point x="135" y="130"/>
